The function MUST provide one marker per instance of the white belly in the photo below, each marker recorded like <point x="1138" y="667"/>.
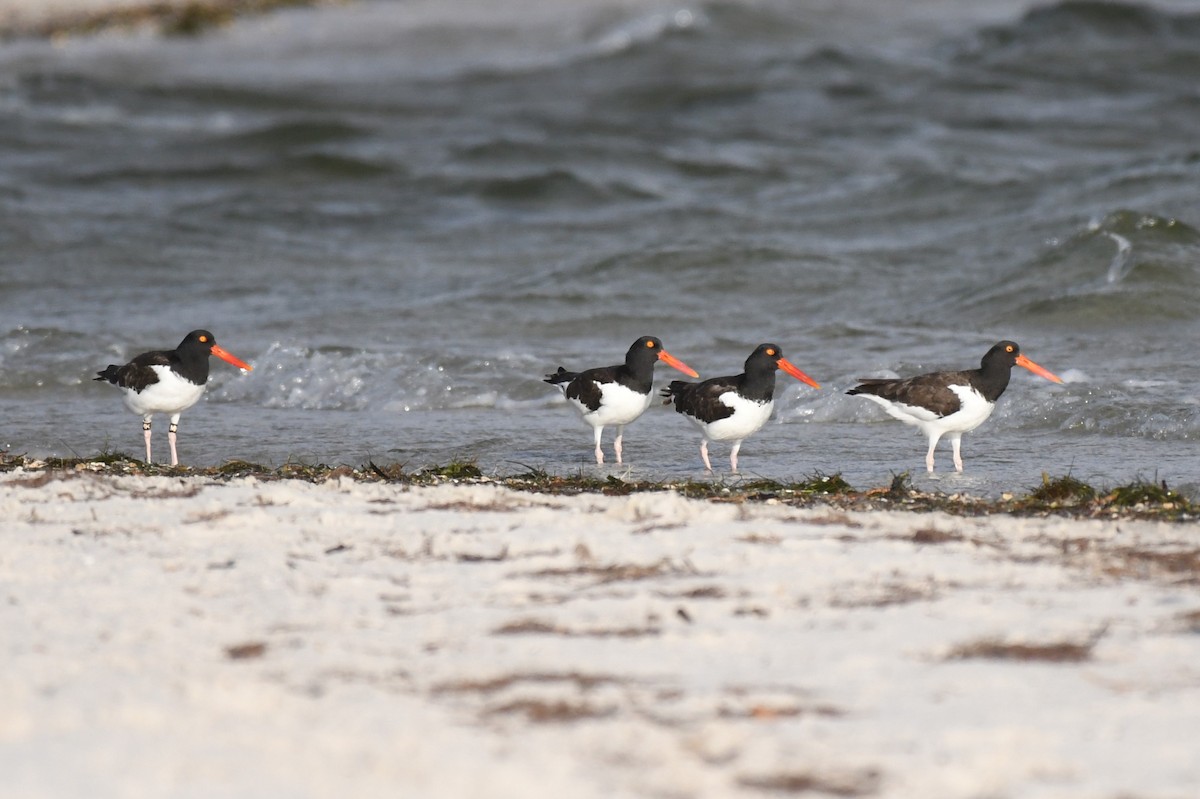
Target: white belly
<point x="171" y="394"/>
<point x="618" y="405"/>
<point x="748" y="417"/>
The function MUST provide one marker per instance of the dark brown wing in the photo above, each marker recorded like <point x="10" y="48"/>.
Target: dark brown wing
<point x="701" y="400"/>
<point x="137" y="374"/>
<point x="931" y="391"/>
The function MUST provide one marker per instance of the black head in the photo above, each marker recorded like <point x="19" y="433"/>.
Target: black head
<point x="645" y="348"/>
<point x="203" y="344"/>
<point x="646" y="352"/>
<point x="1002" y="356"/>
<point x="1006" y="354"/>
<point x="198" y="340"/>
<point x="765" y="356"/>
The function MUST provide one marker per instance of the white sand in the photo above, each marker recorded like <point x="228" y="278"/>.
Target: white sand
<point x="472" y="641"/>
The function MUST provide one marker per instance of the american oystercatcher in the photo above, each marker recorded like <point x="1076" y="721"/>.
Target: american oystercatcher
<point x="950" y="403"/>
<point x="168" y="381"/>
<point x="616" y="394"/>
<point x="734" y="407"/>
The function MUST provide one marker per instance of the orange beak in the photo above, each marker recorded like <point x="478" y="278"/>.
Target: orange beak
<point x="671" y="360"/>
<point x="786" y="365"/>
<point x="1037" y="370"/>
<point x="225" y="356"/>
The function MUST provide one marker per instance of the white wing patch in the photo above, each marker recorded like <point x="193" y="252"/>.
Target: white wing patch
<point x="909" y="414"/>
<point x="973" y="411"/>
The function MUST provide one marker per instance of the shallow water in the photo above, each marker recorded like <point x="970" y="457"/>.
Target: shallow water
<point x="404" y="214"/>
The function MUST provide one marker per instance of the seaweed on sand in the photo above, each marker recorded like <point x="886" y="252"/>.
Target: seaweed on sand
<point x="1060" y="496"/>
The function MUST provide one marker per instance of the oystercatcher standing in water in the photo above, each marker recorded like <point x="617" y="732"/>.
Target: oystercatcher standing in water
<point x="168" y="381"/>
<point x="950" y="403"/>
<point x="732" y="408"/>
<point x="616" y="394"/>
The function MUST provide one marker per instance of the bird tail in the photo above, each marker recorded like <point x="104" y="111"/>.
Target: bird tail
<point x="109" y="374"/>
<point x="560" y="377"/>
<point x="872" y="385"/>
<point x="674" y="389"/>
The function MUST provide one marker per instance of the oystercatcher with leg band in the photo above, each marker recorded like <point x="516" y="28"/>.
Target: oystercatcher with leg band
<point x="732" y="408"/>
<point x="618" y="394"/>
<point x="168" y="381"/>
<point x="950" y="403"/>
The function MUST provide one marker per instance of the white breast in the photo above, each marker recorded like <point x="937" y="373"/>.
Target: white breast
<point x="974" y="411"/>
<point x="748" y="417"/>
<point x="618" y="405"/>
<point x="171" y="394"/>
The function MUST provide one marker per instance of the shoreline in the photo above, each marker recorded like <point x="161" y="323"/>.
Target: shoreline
<point x="241" y="636"/>
<point x="1063" y="497"/>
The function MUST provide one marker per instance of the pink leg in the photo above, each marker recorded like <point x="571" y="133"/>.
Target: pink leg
<point x="733" y="453"/>
<point x="146" y="435"/>
<point x="599" y="452"/>
<point x="171" y="439"/>
<point x="933" y="440"/>
<point x="617" y="443"/>
<point x="704" y="454"/>
<point x="956" y="442"/>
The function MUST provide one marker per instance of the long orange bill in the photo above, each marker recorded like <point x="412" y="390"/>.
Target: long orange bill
<point x="225" y="356"/>
<point x="786" y="365"/>
<point x="1037" y="370"/>
<point x="671" y="360"/>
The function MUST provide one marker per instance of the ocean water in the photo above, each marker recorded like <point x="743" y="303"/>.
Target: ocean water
<point x="404" y="214"/>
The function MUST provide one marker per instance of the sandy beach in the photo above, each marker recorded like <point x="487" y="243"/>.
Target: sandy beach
<point x="192" y="636"/>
